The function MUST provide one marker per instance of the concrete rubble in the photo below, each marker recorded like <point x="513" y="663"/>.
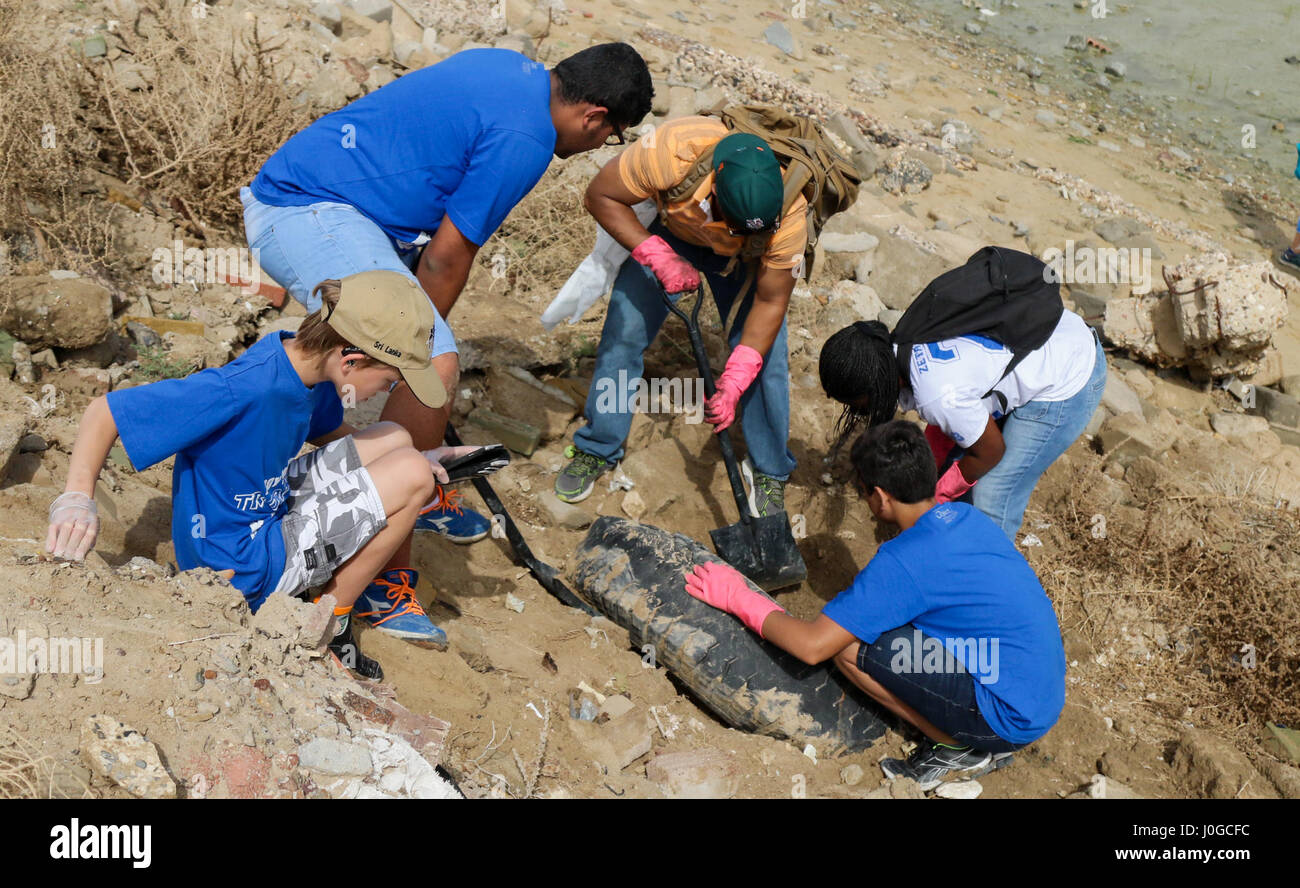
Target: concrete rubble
<point x="1214" y="314"/>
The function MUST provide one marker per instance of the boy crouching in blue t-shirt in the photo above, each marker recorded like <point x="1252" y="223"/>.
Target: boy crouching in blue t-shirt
<point x="243" y="502"/>
<point x="947" y="626"/>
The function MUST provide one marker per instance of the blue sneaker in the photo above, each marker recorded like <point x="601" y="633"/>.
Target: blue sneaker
<point x="446" y="516"/>
<point x="1291" y="258"/>
<point x="390" y="606"/>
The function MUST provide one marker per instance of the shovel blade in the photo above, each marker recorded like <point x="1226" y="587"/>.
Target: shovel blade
<point x="767" y="553"/>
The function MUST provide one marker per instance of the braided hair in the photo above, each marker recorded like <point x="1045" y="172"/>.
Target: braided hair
<point x="857" y="363"/>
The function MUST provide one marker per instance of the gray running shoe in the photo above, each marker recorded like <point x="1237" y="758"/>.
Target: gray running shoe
<point x="766" y="494"/>
<point x="576" y="482"/>
<point x="930" y="764"/>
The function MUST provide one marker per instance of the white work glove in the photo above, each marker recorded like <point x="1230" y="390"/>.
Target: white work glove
<point x="595" y="275"/>
<point x="74" y="525"/>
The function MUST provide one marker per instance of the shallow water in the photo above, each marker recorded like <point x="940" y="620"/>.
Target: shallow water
<point x="1210" y="57"/>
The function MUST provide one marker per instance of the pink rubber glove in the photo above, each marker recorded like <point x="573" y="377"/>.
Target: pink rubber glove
<point x="722" y="586"/>
<point x="675" y="273"/>
<point x="742" y="367"/>
<point x="952" y="485"/>
<point x="940" y="444"/>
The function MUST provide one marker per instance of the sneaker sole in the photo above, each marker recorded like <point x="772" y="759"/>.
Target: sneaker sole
<point x="458" y="540"/>
<point x="582" y="495"/>
<point x="992" y="763"/>
<point x="420" y="641"/>
<point x="747" y="475"/>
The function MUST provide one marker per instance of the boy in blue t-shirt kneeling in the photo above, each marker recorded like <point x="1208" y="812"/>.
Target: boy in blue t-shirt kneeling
<point x="947" y="626"/>
<point x="243" y="502"/>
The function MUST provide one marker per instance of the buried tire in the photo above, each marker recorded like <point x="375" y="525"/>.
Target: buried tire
<point x="636" y="575"/>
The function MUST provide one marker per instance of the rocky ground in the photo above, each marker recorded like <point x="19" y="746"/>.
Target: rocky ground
<point x="1170" y="518"/>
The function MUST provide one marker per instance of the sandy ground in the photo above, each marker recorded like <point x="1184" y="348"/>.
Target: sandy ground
<point x="504" y="667"/>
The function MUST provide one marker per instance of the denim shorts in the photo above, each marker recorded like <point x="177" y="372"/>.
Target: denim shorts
<point x="945" y="698"/>
<point x="301" y="246"/>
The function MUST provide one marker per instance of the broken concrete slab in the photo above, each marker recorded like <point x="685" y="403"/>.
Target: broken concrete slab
<point x="525" y="398"/>
<point x="1118" y="397"/>
<point x="520" y="437"/>
<point x="121" y="754"/>
<point x="1126" y="437"/>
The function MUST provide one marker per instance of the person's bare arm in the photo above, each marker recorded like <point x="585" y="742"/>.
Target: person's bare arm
<point x="95" y="438"/>
<point x="984" y="454"/>
<point x="813" y="643"/>
<point x="772" y="289"/>
<point x="444" y="266"/>
<point x="610" y="202"/>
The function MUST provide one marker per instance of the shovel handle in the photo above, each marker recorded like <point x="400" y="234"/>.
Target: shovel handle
<point x="706" y="373"/>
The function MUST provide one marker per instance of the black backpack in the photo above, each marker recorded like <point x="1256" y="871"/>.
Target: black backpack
<point x="1003" y="294"/>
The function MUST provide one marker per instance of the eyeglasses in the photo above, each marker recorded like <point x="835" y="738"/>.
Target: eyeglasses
<point x="615" y="138"/>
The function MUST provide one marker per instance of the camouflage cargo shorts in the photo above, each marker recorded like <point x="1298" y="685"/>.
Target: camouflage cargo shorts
<point x="333" y="510"/>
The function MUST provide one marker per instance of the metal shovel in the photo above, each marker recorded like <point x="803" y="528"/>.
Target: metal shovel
<point x="763" y="549"/>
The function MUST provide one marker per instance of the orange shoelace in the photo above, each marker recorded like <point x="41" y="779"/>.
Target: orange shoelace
<point x="401" y="594"/>
<point x="444" y="500"/>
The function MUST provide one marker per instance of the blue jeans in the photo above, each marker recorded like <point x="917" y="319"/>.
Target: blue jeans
<point x="302" y="246"/>
<point x="636" y="312"/>
<point x="1036" y="434"/>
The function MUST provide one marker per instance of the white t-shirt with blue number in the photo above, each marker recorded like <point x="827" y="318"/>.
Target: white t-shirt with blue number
<point x="950" y="377"/>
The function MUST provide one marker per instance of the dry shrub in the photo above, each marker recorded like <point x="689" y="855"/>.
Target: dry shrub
<point x="544" y="238"/>
<point x="184" y="108"/>
<point x="45" y="145"/>
<point x="1204" y="574"/>
<point x="26" y="774"/>
<point x="193" y="106"/>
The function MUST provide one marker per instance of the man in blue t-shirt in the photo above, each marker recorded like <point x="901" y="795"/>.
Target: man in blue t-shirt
<point x="243" y="502"/>
<point x="413" y="178"/>
<point x="947" y="626"/>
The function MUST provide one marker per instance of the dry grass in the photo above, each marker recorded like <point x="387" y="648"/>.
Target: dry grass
<point x="543" y="239"/>
<point x="26" y="774"/>
<point x="1174" y="591"/>
<point x="184" y="109"/>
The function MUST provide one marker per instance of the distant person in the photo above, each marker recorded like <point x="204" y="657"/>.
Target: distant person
<point x="947" y="626"/>
<point x="243" y="502"/>
<point x="996" y="447"/>
<point x="413" y="178"/>
<point x="1289" y="255"/>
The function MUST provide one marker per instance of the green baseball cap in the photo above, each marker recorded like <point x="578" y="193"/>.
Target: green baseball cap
<point x="389" y="317"/>
<point x="747" y="178"/>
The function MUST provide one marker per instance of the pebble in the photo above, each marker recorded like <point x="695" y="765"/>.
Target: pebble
<point x="961" y="789"/>
<point x="851" y="774"/>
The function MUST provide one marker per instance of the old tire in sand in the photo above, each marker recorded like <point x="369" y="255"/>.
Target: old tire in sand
<point x="635" y="574"/>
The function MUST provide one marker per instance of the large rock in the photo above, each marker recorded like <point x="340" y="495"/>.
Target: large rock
<point x="1126" y="437"/>
<point x="861" y="154"/>
<point x="1118" y="397"/>
<point x="122" y="755"/>
<point x="1216" y="769"/>
<point x="62" y="312"/>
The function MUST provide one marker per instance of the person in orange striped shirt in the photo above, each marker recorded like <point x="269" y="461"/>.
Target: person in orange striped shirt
<point x="701" y="233"/>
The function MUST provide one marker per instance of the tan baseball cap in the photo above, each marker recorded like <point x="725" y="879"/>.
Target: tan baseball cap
<point x="389" y="317"/>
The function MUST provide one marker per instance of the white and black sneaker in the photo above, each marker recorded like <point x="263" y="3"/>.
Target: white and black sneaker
<point x="930" y="764"/>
